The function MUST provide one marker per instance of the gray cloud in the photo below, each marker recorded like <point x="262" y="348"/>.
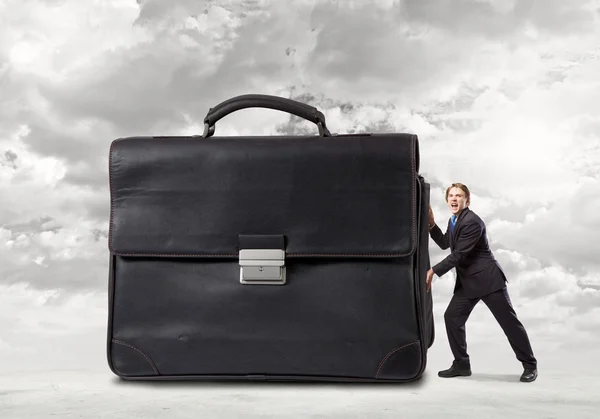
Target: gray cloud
<point x="154" y="88"/>
<point x="78" y="275"/>
<point x="9" y="159"/>
<point x="502" y="19"/>
<point x="44" y="223"/>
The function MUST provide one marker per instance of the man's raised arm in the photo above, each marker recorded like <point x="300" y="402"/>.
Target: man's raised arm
<point x="441" y="239"/>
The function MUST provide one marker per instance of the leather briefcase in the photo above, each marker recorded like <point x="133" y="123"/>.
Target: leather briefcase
<point x="292" y="257"/>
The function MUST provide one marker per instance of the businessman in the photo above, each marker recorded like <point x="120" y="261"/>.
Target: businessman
<point x="478" y="277"/>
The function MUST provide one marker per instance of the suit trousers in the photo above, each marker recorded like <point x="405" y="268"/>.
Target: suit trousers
<point x="499" y="303"/>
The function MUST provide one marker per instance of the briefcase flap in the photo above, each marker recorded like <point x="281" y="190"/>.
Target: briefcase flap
<point x="347" y="196"/>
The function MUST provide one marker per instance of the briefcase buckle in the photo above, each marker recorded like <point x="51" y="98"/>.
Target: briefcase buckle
<point x="262" y="266"/>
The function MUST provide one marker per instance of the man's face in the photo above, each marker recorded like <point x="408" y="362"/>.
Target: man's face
<point x="457" y="200"/>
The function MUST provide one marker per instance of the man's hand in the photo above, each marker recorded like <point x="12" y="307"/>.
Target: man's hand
<point x="431" y="219"/>
<point x="429" y="279"/>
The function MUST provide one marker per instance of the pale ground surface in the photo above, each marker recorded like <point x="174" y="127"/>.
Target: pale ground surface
<point x="493" y="391"/>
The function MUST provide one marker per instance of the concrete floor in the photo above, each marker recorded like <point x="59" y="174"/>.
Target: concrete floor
<point x="486" y="394"/>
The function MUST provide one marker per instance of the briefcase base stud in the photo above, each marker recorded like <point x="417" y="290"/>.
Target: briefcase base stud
<point x="262" y="267"/>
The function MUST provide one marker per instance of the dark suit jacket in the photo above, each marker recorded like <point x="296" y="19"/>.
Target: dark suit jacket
<point x="477" y="271"/>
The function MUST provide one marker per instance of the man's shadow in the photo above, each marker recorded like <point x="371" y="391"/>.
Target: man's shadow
<point x="508" y="378"/>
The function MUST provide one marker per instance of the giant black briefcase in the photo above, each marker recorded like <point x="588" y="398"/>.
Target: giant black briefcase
<point x="268" y="257"/>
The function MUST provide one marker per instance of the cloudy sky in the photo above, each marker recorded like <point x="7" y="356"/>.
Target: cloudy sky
<point x="504" y="96"/>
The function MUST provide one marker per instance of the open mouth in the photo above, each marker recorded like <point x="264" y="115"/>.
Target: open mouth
<point x="454" y="206"/>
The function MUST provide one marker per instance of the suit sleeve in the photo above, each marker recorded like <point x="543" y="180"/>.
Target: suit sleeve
<point x="441" y="239"/>
<point x="465" y="243"/>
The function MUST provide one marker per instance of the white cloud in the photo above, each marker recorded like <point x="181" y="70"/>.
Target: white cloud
<point x="47" y="39"/>
<point x="49" y="313"/>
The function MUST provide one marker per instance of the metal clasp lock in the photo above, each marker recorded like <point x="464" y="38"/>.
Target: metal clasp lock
<point x="262" y="266"/>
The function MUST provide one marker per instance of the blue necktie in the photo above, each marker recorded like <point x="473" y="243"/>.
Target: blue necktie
<point x="453" y="220"/>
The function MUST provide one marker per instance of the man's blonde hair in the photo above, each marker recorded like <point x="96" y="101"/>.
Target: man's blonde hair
<point x="464" y="189"/>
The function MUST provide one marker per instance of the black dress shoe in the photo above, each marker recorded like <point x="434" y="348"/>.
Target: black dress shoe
<point x="529" y="375"/>
<point x="456" y="370"/>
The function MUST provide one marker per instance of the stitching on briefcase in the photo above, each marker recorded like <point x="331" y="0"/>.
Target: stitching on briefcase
<point x="136" y="349"/>
<point x="390" y="354"/>
<point x="413" y="209"/>
<point x="112" y="200"/>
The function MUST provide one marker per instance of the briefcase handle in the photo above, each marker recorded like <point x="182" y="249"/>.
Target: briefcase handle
<point x="264" y="101"/>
